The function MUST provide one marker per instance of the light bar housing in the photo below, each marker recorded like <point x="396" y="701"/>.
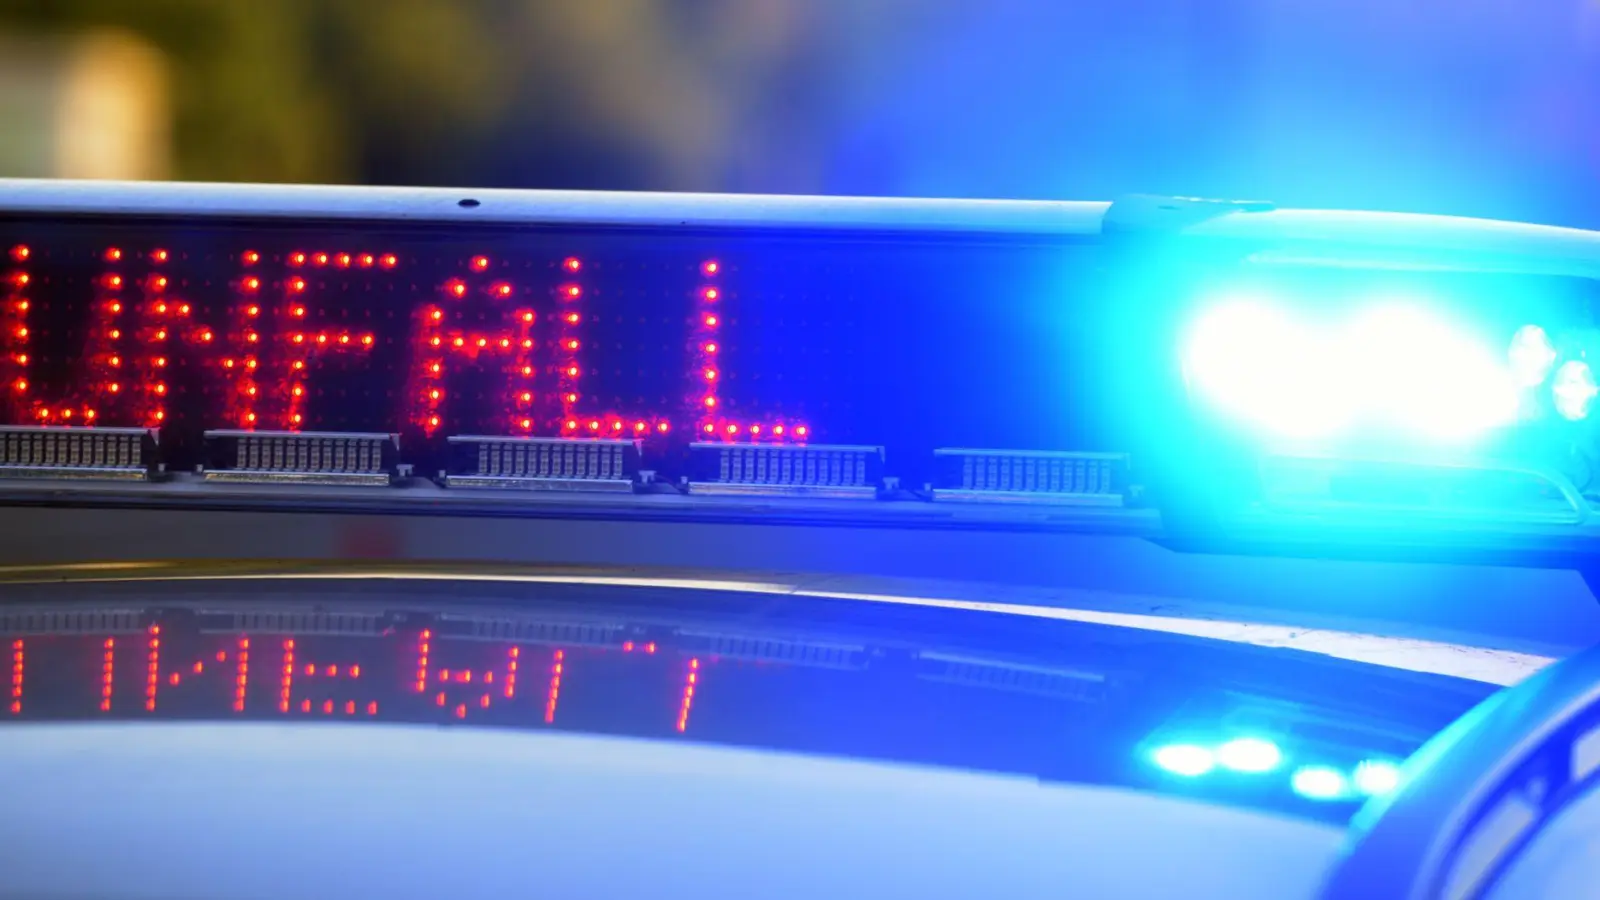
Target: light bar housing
<point x="740" y="321"/>
<point x="1030" y="476"/>
<point x="1334" y="488"/>
<point x="542" y="464"/>
<point x="93" y="453"/>
<point x="798" y="470"/>
<point x="327" y="458"/>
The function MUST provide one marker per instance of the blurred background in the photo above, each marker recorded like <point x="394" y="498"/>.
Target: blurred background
<point x="1477" y="107"/>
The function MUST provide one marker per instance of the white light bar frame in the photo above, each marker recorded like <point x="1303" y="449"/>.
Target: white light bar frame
<point x="1304" y="235"/>
<point x="603" y="208"/>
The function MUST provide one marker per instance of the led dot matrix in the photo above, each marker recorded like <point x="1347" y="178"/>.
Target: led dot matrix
<point x="713" y="423"/>
<point x="268" y="334"/>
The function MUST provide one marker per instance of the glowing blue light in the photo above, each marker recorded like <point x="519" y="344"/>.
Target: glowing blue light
<point x="1318" y="783"/>
<point x="1395" y="366"/>
<point x="1531" y="356"/>
<point x="1418" y="373"/>
<point x="1188" y="760"/>
<point x="1376" y="776"/>
<point x="1249" y="755"/>
<point x="1258" y="365"/>
<point x="1574" y="389"/>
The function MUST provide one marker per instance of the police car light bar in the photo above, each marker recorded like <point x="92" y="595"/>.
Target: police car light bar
<point x="1120" y="359"/>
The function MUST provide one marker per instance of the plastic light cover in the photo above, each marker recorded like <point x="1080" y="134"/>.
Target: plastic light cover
<point x="1393" y="366"/>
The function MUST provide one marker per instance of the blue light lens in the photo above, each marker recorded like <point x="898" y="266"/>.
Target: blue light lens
<point x="1188" y="760"/>
<point x="1421" y="374"/>
<point x="1257" y="365"/>
<point x="1574" y="389"/>
<point x="1376" y="776"/>
<point x="1319" y="783"/>
<point x="1531" y="356"/>
<point x="1394" y="366"/>
<point x="1249" y="755"/>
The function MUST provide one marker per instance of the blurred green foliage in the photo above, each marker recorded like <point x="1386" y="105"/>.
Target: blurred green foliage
<point x="625" y="94"/>
<point x="293" y="90"/>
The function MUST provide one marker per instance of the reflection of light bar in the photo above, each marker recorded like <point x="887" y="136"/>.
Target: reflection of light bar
<point x="46" y="452"/>
<point x="764" y="648"/>
<point x="1079" y="479"/>
<point x="1043" y="681"/>
<point x="271" y="621"/>
<point x="301" y="457"/>
<point x="797" y="470"/>
<point x="71" y="621"/>
<point x="547" y="464"/>
<point x="555" y="633"/>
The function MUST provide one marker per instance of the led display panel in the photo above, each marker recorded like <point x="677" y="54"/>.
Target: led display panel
<point x="666" y="336"/>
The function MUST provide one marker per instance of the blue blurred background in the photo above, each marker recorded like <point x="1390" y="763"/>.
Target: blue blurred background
<point x="1478" y="107"/>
